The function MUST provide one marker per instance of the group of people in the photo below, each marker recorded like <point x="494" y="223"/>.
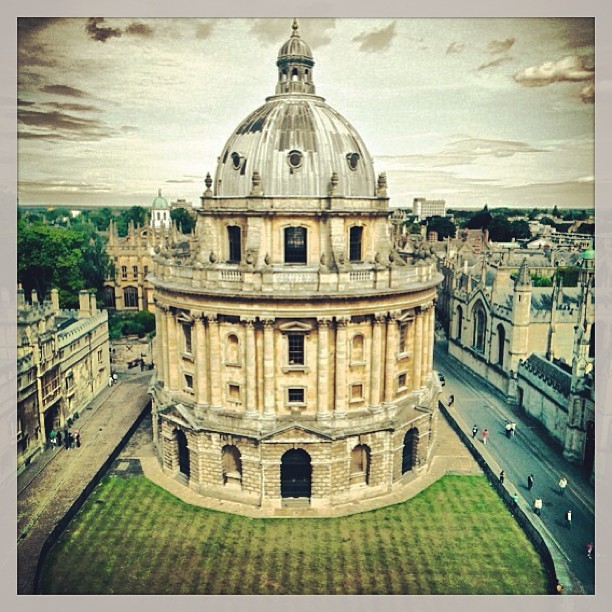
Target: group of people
<point x="510" y="429"/>
<point x="69" y="437"/>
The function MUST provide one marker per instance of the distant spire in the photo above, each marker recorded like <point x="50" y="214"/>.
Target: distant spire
<point x="524" y="277"/>
<point x="295" y="26"/>
<point x="159" y="193"/>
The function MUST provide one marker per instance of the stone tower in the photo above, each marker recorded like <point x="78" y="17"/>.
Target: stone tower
<point x="521" y="313"/>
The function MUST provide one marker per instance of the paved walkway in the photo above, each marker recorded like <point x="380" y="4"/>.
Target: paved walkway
<point x="531" y="451"/>
<point x="51" y="483"/>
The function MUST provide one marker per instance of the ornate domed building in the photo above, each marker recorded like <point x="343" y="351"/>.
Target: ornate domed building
<point x="294" y="346"/>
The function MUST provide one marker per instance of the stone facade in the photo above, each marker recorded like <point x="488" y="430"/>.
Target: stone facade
<point x="294" y="346"/>
<point x="63" y="362"/>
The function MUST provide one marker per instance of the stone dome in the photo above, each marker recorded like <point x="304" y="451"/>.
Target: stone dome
<point x="295" y="141"/>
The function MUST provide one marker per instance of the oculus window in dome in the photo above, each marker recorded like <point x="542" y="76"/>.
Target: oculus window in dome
<point x="295" y="129"/>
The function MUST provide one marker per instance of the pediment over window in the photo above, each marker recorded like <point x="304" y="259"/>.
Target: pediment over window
<point x="184" y="318"/>
<point x="295" y="327"/>
<point x="179" y="415"/>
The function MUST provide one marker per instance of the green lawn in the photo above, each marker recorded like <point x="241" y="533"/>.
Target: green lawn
<point x="455" y="537"/>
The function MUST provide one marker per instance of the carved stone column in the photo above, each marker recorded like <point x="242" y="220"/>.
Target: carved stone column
<point x="269" y="393"/>
<point x="376" y="360"/>
<point x="214" y="359"/>
<point x="340" y="370"/>
<point x="251" y="368"/>
<point x="173" y="352"/>
<point x="323" y="368"/>
<point x="159" y="357"/>
<point x="202" y="386"/>
<point x="391" y="357"/>
<point x="418" y="349"/>
<point x="430" y="333"/>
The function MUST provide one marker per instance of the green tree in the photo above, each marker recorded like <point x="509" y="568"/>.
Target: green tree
<point x="520" y="229"/>
<point x="135" y="214"/>
<point x="101" y="218"/>
<point x="183" y="219"/>
<point x="499" y="229"/>
<point x="547" y="221"/>
<point x="480" y="220"/>
<point x="69" y="259"/>
<point x="442" y="225"/>
<point x="555" y="212"/>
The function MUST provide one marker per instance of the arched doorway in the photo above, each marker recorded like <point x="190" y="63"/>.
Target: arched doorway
<point x="231" y="465"/>
<point x="589" y="446"/>
<point x="296" y="473"/>
<point x="183" y="453"/>
<point x="409" y="453"/>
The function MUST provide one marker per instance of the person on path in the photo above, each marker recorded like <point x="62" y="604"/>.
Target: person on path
<point x="529" y="482"/>
<point x="562" y="485"/>
<point x="485" y="436"/>
<point x="77" y="438"/>
<point x="58" y="437"/>
<point x="451" y="400"/>
<point x="502" y="476"/>
<point x="515" y="501"/>
<point x="52" y="439"/>
<point x="513" y="428"/>
<point x="568" y="519"/>
<point x="474" y="431"/>
<point x="66" y="440"/>
<point x="537" y="506"/>
<point x="508" y="429"/>
<point x="589" y="550"/>
<point x="110" y="381"/>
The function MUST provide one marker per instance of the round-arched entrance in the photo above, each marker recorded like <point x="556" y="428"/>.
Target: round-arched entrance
<point x="183" y="453"/>
<point x="296" y="473"/>
<point x="409" y="451"/>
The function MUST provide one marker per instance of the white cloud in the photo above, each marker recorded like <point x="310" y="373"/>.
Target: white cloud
<point x="573" y="68"/>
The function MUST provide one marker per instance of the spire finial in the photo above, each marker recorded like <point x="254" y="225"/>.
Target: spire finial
<point x="159" y="192"/>
<point x="295" y="26"/>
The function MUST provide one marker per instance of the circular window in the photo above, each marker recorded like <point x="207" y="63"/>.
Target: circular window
<point x="352" y="159"/>
<point x="295" y="159"/>
<point x="236" y="160"/>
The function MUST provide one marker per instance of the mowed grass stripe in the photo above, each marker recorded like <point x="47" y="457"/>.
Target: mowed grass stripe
<point x="454" y="537"/>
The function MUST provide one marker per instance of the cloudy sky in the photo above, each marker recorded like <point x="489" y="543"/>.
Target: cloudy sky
<point x="473" y="111"/>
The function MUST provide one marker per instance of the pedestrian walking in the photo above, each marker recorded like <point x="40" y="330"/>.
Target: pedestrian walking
<point x="515" y="501"/>
<point x="537" y="506"/>
<point x="110" y="381"/>
<point x="70" y="440"/>
<point x="485" y="436"/>
<point x="52" y="439"/>
<point x="451" y="400"/>
<point x="115" y="377"/>
<point x="77" y="438"/>
<point x="568" y="519"/>
<point x="58" y="437"/>
<point x="589" y="550"/>
<point x="502" y="477"/>
<point x="66" y="439"/>
<point x="529" y="482"/>
<point x="474" y="431"/>
<point x="508" y="429"/>
<point x="562" y="485"/>
<point x="513" y="428"/>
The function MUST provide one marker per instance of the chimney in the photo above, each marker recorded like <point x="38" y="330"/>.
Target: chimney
<point x="83" y="304"/>
<point x="93" y="305"/>
<point x="55" y="301"/>
<point x="20" y="296"/>
<point x="34" y="297"/>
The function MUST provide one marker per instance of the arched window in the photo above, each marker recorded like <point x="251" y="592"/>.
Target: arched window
<point x="480" y="327"/>
<point x="295" y="245"/>
<point x="109" y="297"/>
<point x="183" y="453"/>
<point x="294" y="74"/>
<point x="360" y="465"/>
<point x="501" y="342"/>
<point x="231" y="464"/>
<point x="130" y="297"/>
<point x="232" y="349"/>
<point x="357" y="349"/>
<point x="355" y="235"/>
<point x="234" y="244"/>
<point x="459" y="324"/>
<point x="123" y="272"/>
<point x="409" y="452"/>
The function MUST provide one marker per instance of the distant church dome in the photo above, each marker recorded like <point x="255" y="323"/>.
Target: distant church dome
<point x="160" y="202"/>
<point x="295" y="141"/>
